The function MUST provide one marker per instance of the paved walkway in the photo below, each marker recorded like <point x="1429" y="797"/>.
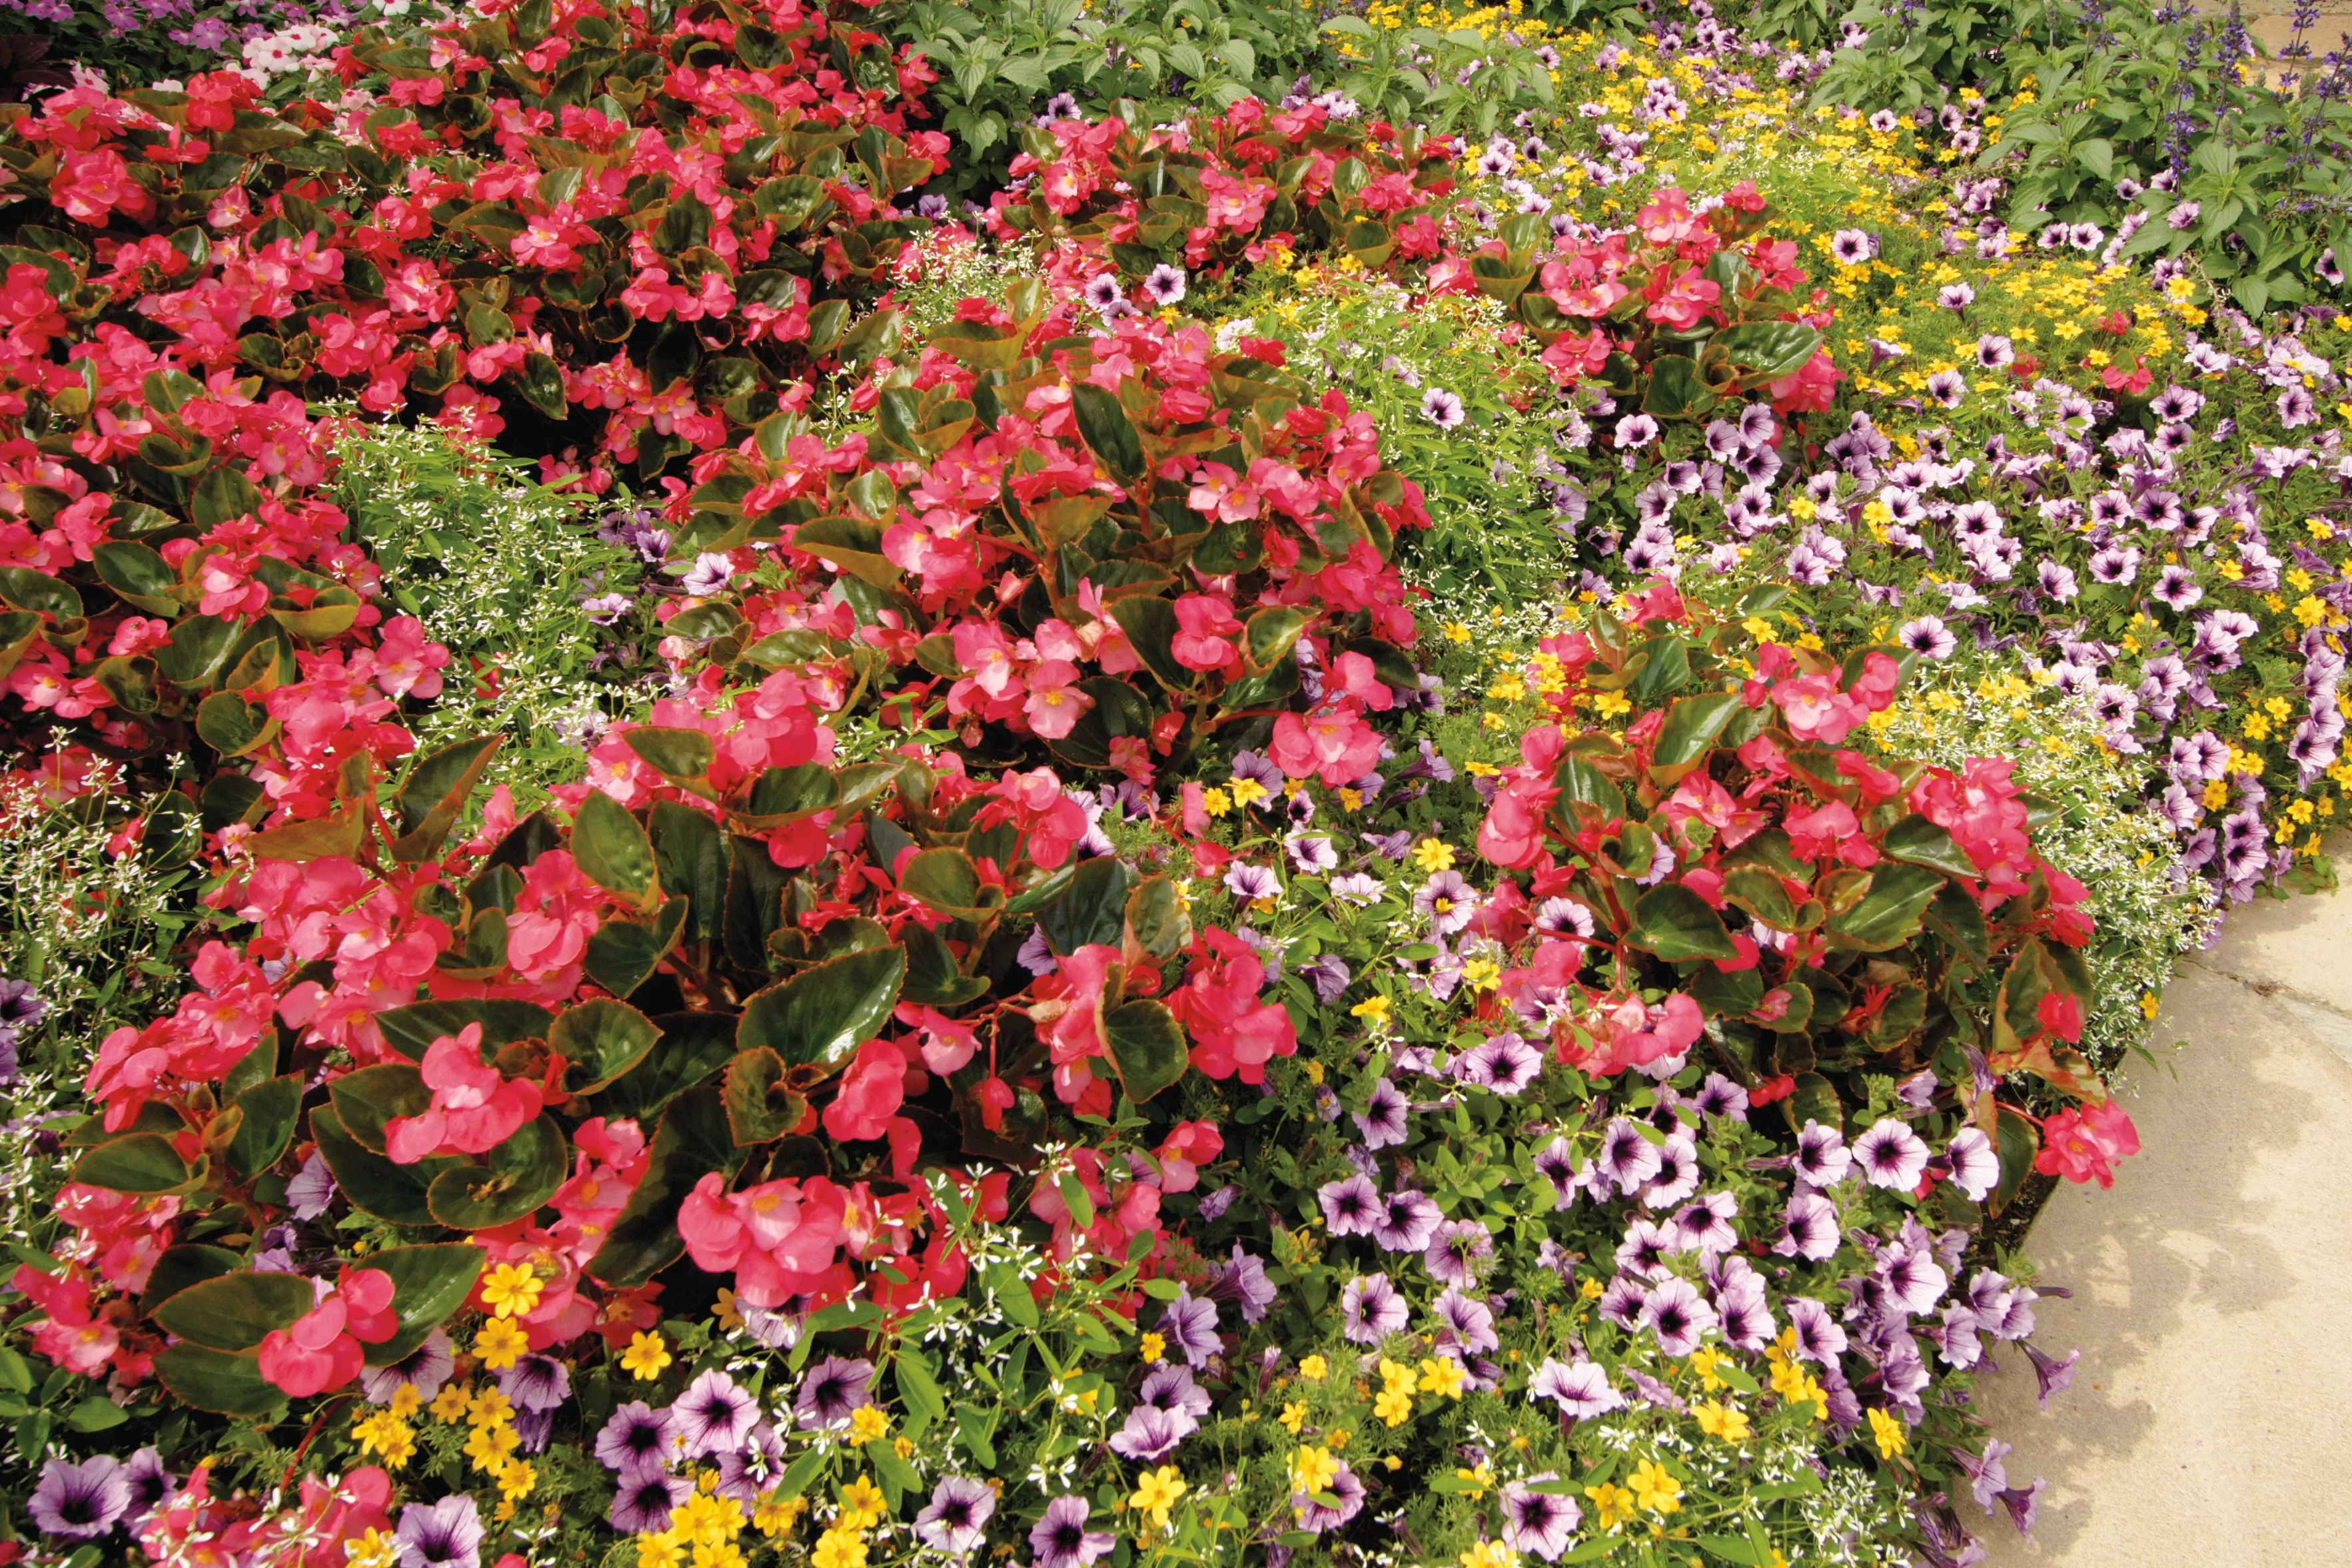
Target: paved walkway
<point x="2211" y="1419"/>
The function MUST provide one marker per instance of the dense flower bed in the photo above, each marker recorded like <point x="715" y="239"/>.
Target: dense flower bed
<point x="1077" y="1012"/>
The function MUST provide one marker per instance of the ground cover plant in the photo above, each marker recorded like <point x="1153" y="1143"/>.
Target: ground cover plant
<point x="782" y="792"/>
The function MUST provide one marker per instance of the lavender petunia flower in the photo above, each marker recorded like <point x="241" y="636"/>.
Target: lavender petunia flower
<point x="713" y="1415"/>
<point x="1407" y="1221"/>
<point x="152" y="1484"/>
<point x="1579" y="1389"/>
<point x="536" y="1382"/>
<point x="1165" y="283"/>
<point x="1987" y="1477"/>
<point x="1328" y="974"/>
<point x="1678" y="1315"/>
<point x="1243" y="1278"/>
<point x="1061" y="1539"/>
<point x="447" y="1535"/>
<point x="79" y="1501"/>
<point x="1456" y="1250"/>
<point x="1170" y="1388"/>
<point x="1976" y="1165"/>
<point x="1891" y="1155"/>
<point x="312" y="1188"/>
<point x="1383" y="1119"/>
<point x="427" y="1367"/>
<point x="1720" y="1098"/>
<point x="831" y="1389"/>
<point x="1345" y="1488"/>
<point x="1359" y="888"/>
<point x="2024" y="1504"/>
<point x="1189" y="1325"/>
<point x="1351" y="1205"/>
<point x="1810" y="1231"/>
<point x="959" y="1511"/>
<point x="1626" y="1158"/>
<point x="1370" y="1309"/>
<point x="1252" y="884"/>
<point x="1555" y="1163"/>
<point x="2050" y="1376"/>
<point x="643" y="1499"/>
<point x="1152" y="1433"/>
<point x="637" y="1436"/>
<point x="1538" y="1523"/>
<point x="1471" y="1321"/>
<point x="1820" y="1339"/>
<point x="1448" y="901"/>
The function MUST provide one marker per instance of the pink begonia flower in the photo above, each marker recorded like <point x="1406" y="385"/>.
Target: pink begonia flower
<point x="1234" y="1034"/>
<point x="777" y="1238"/>
<point x="1337" y="747"/>
<point x="557" y="911"/>
<point x="1055" y="702"/>
<point x="871" y="1093"/>
<point x="474" y="1110"/>
<point x="2084" y="1145"/>
<point x="322" y="1350"/>
<point x="1204" y="628"/>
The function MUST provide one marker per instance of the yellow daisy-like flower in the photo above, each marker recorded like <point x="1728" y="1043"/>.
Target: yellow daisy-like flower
<point x="777" y="1514"/>
<point x="718" y="1555"/>
<point x="1313" y="1469"/>
<point x="1655" y="1489"/>
<point x="513" y="1290"/>
<point x="867" y="1423"/>
<point x="406" y="1401"/>
<point x="516" y="1481"/>
<point x="645" y="1356"/>
<point x="1433" y="856"/>
<point x="1888" y="1432"/>
<point x="449" y="1405"/>
<point x="1444" y="1377"/>
<point x="1156" y="1492"/>
<point x="1726" y="1422"/>
<point x="660" y="1549"/>
<point x="1613" y="1505"/>
<point x="861" y="1501"/>
<point x="489" y="1447"/>
<point x="1292" y="1416"/>
<point x="1314" y="1369"/>
<point x="376" y="1548"/>
<point x="1152" y="1347"/>
<point x="839" y="1548"/>
<point x="489" y="1408"/>
<point x="500" y="1344"/>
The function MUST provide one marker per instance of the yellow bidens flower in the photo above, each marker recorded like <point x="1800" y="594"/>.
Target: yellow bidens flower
<point x="1441" y="1376"/>
<point x="511" y="1290"/>
<point x="1394" y="1404"/>
<point x="777" y="1514"/>
<point x="1313" y="1469"/>
<point x="1888" y="1431"/>
<point x="376" y="1548"/>
<point x="862" y="1505"/>
<point x="387" y="1437"/>
<point x="500" y="1344"/>
<point x="1156" y="1492"/>
<point x="1152" y="1347"/>
<point x="1726" y="1422"/>
<point x="1292" y="1416"/>
<point x="1490" y="1554"/>
<point x="1655" y="1489"/>
<point x="1433" y="856"/>
<point x="867" y="1423"/>
<point x="645" y="1356"/>
<point x="837" y="1547"/>
<point x="1611" y="1505"/>
<point x="1376" y="1008"/>
<point x="1314" y="1369"/>
<point x="450" y="1404"/>
<point x="1456" y="632"/>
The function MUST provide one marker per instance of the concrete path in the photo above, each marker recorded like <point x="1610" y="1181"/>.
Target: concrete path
<point x="2211" y="1417"/>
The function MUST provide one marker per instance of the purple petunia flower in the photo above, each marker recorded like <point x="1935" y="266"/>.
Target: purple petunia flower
<point x="1243" y="1278"/>
<point x="643" y="1499"/>
<point x="311" y="1189"/>
<point x="428" y="1366"/>
<point x="1976" y="1167"/>
<point x="1678" y="1175"/>
<point x="1170" y="1388"/>
<point x="1456" y="1249"/>
<point x="1351" y="1205"/>
<point x="1061" y="1539"/>
<point x="637" y="1436"/>
<point x="1536" y="1521"/>
<point x="1555" y="1163"/>
<point x="1448" y="901"/>
<point x="1189" y="1325"/>
<point x="80" y="1501"/>
<point x="714" y="1416"/>
<point x="1820" y="1339"/>
<point x="1406" y="1222"/>
<point x="2050" y="1376"/>
<point x="749" y="1472"/>
<point x="1810" y="1231"/>
<point x="1152" y="1433"/>
<point x="1442" y="408"/>
<point x="955" y="1520"/>
<point x="1706" y="1227"/>
<point x="1165" y="283"/>
<point x="1579" y="1389"/>
<point x="1928" y="636"/>
<point x="1911" y="1278"/>
<point x="1370" y="1309"/>
<point x="152" y="1484"/>
<point x="447" y="1535"/>
<point x="1318" y="1517"/>
<point x="1626" y="1158"/>
<point x="1823" y="1158"/>
<point x="1678" y="1315"/>
<point x="1383" y="1119"/>
<point x="1252" y="883"/>
<point x="536" y="1382"/>
<point x="831" y="1389"/>
<point x="1720" y="1098"/>
<point x="1891" y="1155"/>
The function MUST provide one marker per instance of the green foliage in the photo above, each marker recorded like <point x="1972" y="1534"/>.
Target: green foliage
<point x="498" y="568"/>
